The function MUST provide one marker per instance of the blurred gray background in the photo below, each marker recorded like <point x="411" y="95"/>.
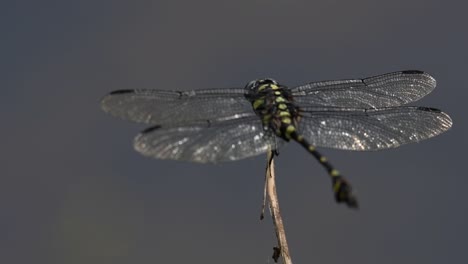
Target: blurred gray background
<point x="73" y="190"/>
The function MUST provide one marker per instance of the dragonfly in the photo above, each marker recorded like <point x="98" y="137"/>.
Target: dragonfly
<point x="228" y="124"/>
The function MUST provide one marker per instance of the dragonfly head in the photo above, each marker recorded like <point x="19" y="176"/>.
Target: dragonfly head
<point x="255" y="84"/>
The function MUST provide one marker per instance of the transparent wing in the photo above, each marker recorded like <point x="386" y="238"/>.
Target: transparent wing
<point x="226" y="141"/>
<point x="391" y="89"/>
<point x="360" y="129"/>
<point x="158" y="107"/>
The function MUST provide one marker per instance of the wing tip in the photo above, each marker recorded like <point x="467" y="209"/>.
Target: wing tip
<point x="150" y="129"/>
<point x="428" y="79"/>
<point x="418" y="72"/>
<point x="413" y="72"/>
<point x="124" y="91"/>
<point x="429" y="109"/>
<point x="103" y="103"/>
<point x="113" y="102"/>
<point x="108" y="96"/>
<point x="442" y="117"/>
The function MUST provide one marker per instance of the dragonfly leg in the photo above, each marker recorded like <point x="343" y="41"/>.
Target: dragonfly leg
<point x="341" y="188"/>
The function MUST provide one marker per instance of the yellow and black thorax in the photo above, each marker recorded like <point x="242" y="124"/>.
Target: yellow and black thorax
<point x="273" y="103"/>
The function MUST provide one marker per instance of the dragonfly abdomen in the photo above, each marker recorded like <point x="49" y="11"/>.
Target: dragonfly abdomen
<point x="341" y="188"/>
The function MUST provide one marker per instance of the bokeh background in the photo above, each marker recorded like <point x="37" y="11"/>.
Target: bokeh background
<point x="72" y="190"/>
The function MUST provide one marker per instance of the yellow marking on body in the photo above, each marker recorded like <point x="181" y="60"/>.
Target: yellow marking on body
<point x="334" y="173"/>
<point x="323" y="159"/>
<point x="262" y="87"/>
<point x="280" y="99"/>
<point x="336" y="187"/>
<point x="257" y="103"/>
<point x="266" y="119"/>
<point x="282" y="106"/>
<point x="274" y="86"/>
<point x="277" y="93"/>
<point x="284" y="113"/>
<point x="286" y="120"/>
<point x="289" y="130"/>
<point x="300" y="138"/>
<point x="311" y="148"/>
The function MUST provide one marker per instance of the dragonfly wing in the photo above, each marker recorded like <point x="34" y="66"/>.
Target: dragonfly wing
<point x="208" y="143"/>
<point x="391" y="89"/>
<point x="375" y="129"/>
<point x="158" y="107"/>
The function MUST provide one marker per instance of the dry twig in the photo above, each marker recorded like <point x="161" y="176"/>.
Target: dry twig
<point x="270" y="191"/>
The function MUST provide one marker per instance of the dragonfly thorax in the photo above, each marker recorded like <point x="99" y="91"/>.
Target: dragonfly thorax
<point x="273" y="103"/>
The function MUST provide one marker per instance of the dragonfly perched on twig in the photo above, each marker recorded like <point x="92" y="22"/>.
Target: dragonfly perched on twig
<point x="216" y="125"/>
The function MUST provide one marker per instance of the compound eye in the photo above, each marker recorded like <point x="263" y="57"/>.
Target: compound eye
<point x="270" y="81"/>
<point x="252" y="84"/>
